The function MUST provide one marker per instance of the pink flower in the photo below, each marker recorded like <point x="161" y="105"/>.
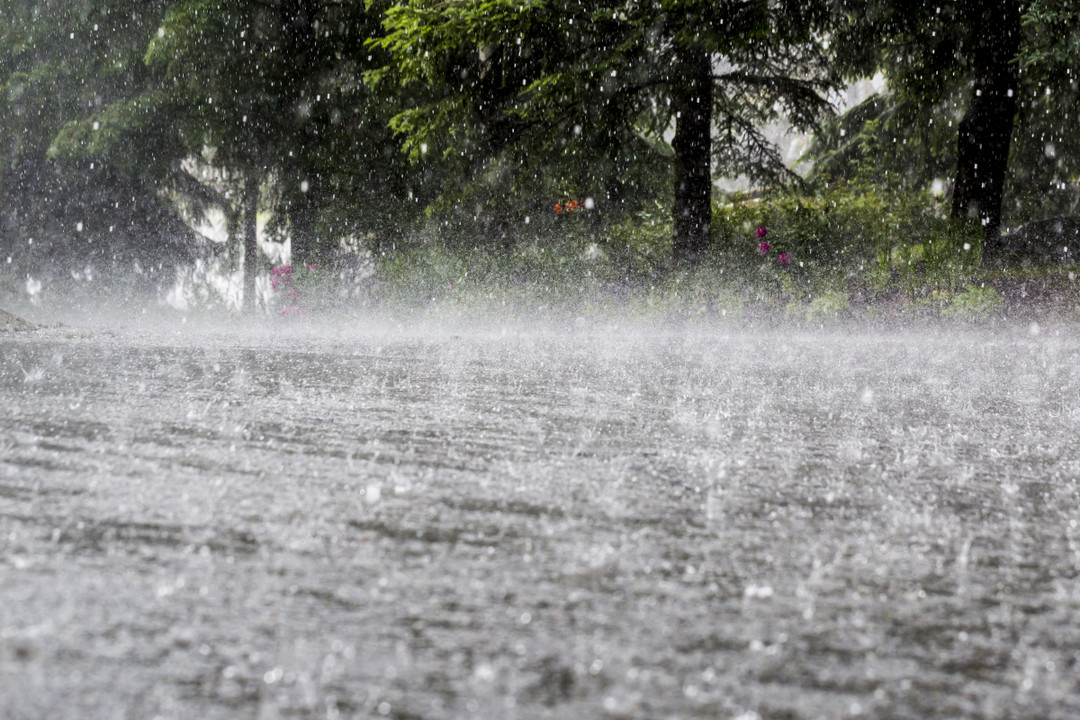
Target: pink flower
<point x="311" y="267"/>
<point x="761" y="232"/>
<point x="291" y="310"/>
<point x="273" y="282"/>
<point x="763" y="247"/>
<point x="292" y="293"/>
<point x="784" y="259"/>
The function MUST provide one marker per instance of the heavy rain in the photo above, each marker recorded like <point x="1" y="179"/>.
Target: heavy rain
<point x="539" y="359"/>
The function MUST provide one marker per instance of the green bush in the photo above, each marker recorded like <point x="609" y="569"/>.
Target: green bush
<point x="639" y="247"/>
<point x="847" y="243"/>
<point x="866" y="240"/>
<point x="973" y="303"/>
<point x="830" y="305"/>
<point x="841" y="227"/>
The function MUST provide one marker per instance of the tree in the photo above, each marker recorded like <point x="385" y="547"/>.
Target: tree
<point x="276" y="86"/>
<point x="1045" y="164"/>
<point x="61" y="63"/>
<point x="577" y="81"/>
<point x="979" y="93"/>
<point x="226" y="95"/>
<point x="267" y="97"/>
<point x="985" y="131"/>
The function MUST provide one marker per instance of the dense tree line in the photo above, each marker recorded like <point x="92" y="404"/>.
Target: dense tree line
<point x="372" y="119"/>
<point x="983" y="95"/>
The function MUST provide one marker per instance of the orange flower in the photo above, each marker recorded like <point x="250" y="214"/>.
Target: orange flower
<point x="558" y="208"/>
<point x="573" y="205"/>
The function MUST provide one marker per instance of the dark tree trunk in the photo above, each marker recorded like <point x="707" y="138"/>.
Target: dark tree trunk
<point x="302" y="212"/>
<point x="251" y="244"/>
<point x="298" y="22"/>
<point x="693" y="146"/>
<point x="986" y="128"/>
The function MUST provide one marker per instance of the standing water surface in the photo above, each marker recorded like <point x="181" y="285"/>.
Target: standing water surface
<point x="699" y="524"/>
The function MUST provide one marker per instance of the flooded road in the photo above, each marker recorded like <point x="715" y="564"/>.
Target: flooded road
<point x="561" y="523"/>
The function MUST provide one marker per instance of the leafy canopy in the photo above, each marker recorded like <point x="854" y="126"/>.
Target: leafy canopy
<point x="588" y="86"/>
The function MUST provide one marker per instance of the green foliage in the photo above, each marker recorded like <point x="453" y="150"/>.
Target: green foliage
<point x="828" y="306"/>
<point x="640" y="246"/>
<point x="973" y="303"/>
<point x="61" y="60"/>
<point x="941" y="258"/>
<point x="890" y="143"/>
<point x="951" y="257"/>
<point x="512" y="98"/>
<point x="65" y="215"/>
<point x="1044" y="170"/>
<point x="1055" y="26"/>
<point x="588" y="88"/>
<point x="843" y="229"/>
<point x="477" y="116"/>
<point x="906" y="137"/>
<point x="271" y="89"/>
<point x="301" y="289"/>
<point x="851" y="247"/>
